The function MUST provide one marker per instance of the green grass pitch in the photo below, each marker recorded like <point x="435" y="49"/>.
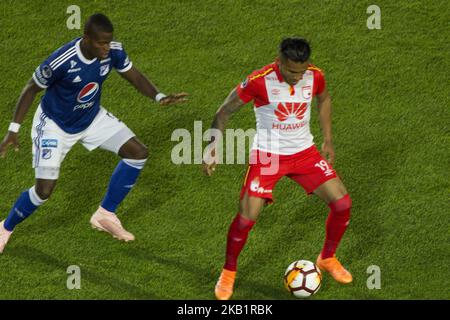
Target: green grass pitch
<point x="391" y="133"/>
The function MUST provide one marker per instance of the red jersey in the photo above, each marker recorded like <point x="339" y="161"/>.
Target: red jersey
<point x="282" y="111"/>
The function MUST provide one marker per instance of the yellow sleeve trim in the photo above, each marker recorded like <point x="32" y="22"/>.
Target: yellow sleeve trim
<point x="261" y="74"/>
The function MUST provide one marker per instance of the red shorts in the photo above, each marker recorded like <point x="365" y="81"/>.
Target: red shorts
<point x="308" y="168"/>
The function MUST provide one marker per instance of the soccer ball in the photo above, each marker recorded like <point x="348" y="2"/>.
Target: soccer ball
<point x="302" y="278"/>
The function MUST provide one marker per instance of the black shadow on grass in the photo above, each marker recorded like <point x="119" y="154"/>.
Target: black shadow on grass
<point x="205" y="278"/>
<point x="36" y="256"/>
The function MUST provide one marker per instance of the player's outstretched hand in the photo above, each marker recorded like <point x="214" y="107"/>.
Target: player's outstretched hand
<point x="11" y="138"/>
<point x="328" y="152"/>
<point x="174" y="98"/>
<point x="209" y="162"/>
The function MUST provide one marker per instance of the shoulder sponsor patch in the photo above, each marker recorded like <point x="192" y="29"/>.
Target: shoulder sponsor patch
<point x="46" y="71"/>
<point x="49" y="143"/>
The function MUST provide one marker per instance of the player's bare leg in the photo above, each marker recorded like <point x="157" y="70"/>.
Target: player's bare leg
<point x="134" y="149"/>
<point x="45" y="188"/>
<point x="134" y="155"/>
<point x="25" y="205"/>
<point x="334" y="193"/>
<point x="250" y="208"/>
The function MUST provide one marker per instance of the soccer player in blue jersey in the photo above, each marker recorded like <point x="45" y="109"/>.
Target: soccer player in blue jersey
<point x="69" y="112"/>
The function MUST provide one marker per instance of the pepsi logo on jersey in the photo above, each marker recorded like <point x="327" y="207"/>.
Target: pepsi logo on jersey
<point x="88" y="92"/>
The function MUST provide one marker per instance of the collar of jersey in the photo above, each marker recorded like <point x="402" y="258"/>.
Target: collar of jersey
<point x="80" y="54"/>
<point x="277" y="71"/>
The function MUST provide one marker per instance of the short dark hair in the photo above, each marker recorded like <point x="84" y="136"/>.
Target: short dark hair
<point x="98" y="23"/>
<point x="295" y="49"/>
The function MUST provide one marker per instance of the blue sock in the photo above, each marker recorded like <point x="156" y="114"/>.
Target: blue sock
<point x="25" y="205"/>
<point x="122" y="180"/>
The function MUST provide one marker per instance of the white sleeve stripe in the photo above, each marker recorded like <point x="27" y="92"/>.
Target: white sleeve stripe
<point x="128" y="67"/>
<point x="40" y="85"/>
<point x="62" y="62"/>
<point x="62" y="57"/>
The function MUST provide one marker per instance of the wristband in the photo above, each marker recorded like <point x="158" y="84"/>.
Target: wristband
<point x="160" y="96"/>
<point x="14" y="127"/>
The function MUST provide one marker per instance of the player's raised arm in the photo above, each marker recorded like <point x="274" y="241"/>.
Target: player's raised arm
<point x="148" y="89"/>
<point x="231" y="104"/>
<point x="23" y="105"/>
<point x="324" y="105"/>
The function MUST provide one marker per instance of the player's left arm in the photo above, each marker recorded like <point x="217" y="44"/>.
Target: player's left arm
<point x="324" y="105"/>
<point x="148" y="89"/>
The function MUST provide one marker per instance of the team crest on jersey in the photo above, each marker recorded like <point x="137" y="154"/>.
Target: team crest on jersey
<point x="306" y="92"/>
<point x="289" y="109"/>
<point x="46" y="154"/>
<point x="88" y="92"/>
<point x="104" y="70"/>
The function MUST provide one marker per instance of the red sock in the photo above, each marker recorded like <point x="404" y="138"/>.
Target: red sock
<point x="336" y="225"/>
<point x="237" y="236"/>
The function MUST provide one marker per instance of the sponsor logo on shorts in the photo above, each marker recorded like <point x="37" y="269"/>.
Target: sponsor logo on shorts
<point x="46" y="154"/>
<point x="49" y="143"/>
<point x="254" y="186"/>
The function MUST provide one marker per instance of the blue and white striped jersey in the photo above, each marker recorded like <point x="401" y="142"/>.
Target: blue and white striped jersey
<point x="74" y="84"/>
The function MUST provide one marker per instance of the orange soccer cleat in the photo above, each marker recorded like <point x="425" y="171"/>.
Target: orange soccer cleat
<point x="225" y="284"/>
<point x="334" y="268"/>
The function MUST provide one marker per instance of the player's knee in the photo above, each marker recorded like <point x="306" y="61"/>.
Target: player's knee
<point x="44" y="191"/>
<point x="141" y="153"/>
<point x="250" y="209"/>
<point x="344" y="204"/>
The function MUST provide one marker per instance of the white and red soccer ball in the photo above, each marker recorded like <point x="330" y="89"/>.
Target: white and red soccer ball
<point x="302" y="278"/>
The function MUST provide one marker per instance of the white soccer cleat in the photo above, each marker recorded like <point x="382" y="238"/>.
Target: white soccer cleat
<point x="4" y="236"/>
<point x="103" y="220"/>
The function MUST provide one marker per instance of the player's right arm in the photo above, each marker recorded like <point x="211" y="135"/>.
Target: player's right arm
<point x="231" y="105"/>
<point x="24" y="103"/>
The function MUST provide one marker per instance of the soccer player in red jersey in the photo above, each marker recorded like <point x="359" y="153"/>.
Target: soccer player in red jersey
<point x="282" y="93"/>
